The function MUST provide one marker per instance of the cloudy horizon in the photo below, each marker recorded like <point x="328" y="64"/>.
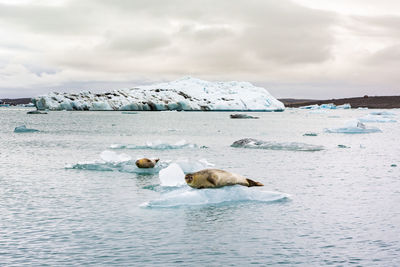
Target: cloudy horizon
<point x="301" y="48"/>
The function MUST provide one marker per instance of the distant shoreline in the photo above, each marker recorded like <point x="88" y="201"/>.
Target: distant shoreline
<point x="355" y="102"/>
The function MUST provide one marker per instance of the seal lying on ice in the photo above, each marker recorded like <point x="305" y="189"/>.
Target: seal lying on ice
<point x="146" y="163"/>
<point x="213" y="178"/>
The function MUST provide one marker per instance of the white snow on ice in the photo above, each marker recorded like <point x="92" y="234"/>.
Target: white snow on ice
<point x="184" y="94"/>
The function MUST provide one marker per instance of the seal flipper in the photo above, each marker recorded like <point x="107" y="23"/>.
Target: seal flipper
<point x="211" y="180"/>
<point x="253" y="183"/>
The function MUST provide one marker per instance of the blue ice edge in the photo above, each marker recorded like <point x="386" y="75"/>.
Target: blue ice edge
<point x="185" y="196"/>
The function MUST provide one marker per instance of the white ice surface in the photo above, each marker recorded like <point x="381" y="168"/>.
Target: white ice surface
<point x="186" y="196"/>
<point x="184" y="94"/>
<point x="173" y="175"/>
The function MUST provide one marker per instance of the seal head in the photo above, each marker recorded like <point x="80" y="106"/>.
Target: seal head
<point x="146" y="163"/>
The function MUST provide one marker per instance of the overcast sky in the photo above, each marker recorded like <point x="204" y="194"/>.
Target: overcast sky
<point x="300" y="48"/>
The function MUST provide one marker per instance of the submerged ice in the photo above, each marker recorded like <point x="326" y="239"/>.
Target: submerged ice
<point x="260" y="144"/>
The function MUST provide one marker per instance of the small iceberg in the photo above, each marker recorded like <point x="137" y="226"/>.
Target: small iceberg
<point x="344" y="106"/>
<point x="190" y="165"/>
<point x="186" y="196"/>
<point x="36" y="112"/>
<point x="382" y="113"/>
<point x="375" y="118"/>
<point x="290" y="146"/>
<point x="354" y="127"/>
<point x="172" y="176"/>
<point x="342" y="146"/>
<point x="129" y="112"/>
<point x="23" y="129"/>
<point x="327" y="106"/>
<point x="242" y="116"/>
<point x="157" y="145"/>
<point x="310" y="107"/>
<point x="310" y="134"/>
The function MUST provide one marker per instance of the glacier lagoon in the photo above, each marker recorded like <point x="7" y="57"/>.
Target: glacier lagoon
<point x="334" y="206"/>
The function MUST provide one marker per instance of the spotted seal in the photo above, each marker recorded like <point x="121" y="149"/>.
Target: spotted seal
<point x="214" y="178"/>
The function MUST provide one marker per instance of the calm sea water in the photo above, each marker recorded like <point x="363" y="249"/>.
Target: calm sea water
<point x="343" y="207"/>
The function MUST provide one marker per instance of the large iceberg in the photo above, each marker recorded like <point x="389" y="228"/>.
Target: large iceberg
<point x="184" y="94"/>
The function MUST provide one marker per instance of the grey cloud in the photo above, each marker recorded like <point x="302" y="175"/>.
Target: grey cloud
<point x="56" y="20"/>
<point x="388" y="56"/>
<point x="97" y="40"/>
<point x="137" y="42"/>
<point x="374" y="26"/>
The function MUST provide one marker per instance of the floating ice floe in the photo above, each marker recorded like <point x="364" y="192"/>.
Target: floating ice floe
<point x="242" y="116"/>
<point x="310" y="134"/>
<point x="354" y="127"/>
<point x="382" y="113"/>
<point x="23" y="129"/>
<point x="344" y="106"/>
<point x="158" y="145"/>
<point x="327" y="106"/>
<point x="375" y="118"/>
<point x="186" y="196"/>
<point x="184" y="94"/>
<point x="36" y="112"/>
<point x="111" y="161"/>
<point x="291" y="146"/>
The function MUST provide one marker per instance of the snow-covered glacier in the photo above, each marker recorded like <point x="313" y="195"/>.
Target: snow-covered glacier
<point x="184" y="94"/>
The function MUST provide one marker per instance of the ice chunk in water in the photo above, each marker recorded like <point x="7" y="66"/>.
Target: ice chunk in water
<point x="23" y="129"/>
<point x="260" y="144"/>
<point x="188" y="165"/>
<point x="383" y="113"/>
<point x="111" y="156"/>
<point x="193" y="197"/>
<point x="172" y="176"/>
<point x="354" y="127"/>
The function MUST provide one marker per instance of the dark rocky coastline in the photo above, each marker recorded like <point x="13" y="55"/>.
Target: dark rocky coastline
<point x="355" y="102"/>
